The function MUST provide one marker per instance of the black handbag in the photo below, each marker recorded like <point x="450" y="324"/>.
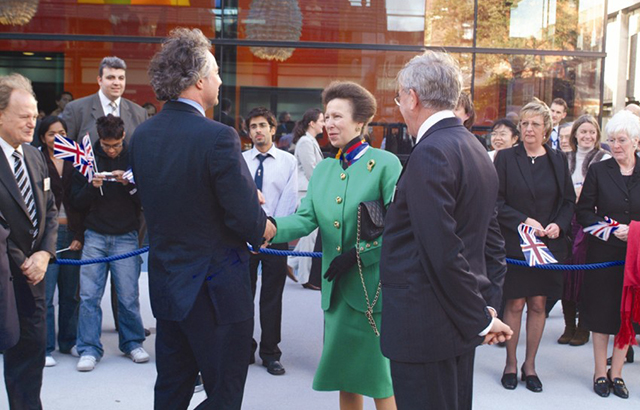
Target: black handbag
<point x="372" y="219"/>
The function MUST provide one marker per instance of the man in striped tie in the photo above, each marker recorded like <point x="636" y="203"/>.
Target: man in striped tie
<point x="27" y="203"/>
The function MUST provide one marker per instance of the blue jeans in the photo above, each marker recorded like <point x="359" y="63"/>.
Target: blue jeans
<point x="66" y="277"/>
<point x="93" y="279"/>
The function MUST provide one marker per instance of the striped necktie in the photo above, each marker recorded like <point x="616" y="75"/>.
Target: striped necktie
<point x="114" y="108"/>
<point x="20" y="172"/>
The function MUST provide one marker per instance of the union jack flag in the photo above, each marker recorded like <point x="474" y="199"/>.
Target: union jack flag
<point x="88" y="167"/>
<point x="603" y="229"/>
<point x="534" y="250"/>
<point x="68" y="149"/>
<point x="129" y="176"/>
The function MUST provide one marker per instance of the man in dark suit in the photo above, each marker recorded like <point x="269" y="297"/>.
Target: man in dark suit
<point x="434" y="256"/>
<point x="202" y="208"/>
<point x="81" y="114"/>
<point x="27" y="201"/>
<point x="9" y="324"/>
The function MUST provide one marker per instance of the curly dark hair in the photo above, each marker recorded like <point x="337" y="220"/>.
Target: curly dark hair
<point x="180" y="63"/>
<point x="362" y="101"/>
<point x="110" y="127"/>
<point x="261" y="112"/>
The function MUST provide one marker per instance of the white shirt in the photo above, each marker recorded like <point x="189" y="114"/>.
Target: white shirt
<point x="8" y="153"/>
<point x="554" y="138"/>
<point x="279" y="181"/>
<point x="430" y="122"/>
<point x="106" y="107"/>
<point x="193" y="104"/>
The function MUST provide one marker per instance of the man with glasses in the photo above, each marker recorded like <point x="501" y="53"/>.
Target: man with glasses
<point x="112" y="226"/>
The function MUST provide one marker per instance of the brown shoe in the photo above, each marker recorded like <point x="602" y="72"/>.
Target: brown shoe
<point x="291" y="275"/>
<point x="568" y="334"/>
<point x="580" y="337"/>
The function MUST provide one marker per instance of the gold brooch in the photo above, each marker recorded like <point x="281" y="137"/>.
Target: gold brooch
<point x="370" y="165"/>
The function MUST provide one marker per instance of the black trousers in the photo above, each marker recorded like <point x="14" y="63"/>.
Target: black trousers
<point x="315" y="276"/>
<point x="24" y="362"/>
<point x="200" y="344"/>
<point x="446" y="384"/>
<point x="274" y="275"/>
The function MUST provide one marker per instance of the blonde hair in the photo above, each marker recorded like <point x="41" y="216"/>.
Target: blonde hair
<point x="538" y="107"/>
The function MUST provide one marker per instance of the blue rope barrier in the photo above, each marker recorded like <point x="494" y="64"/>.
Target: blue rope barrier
<point x="101" y="260"/>
<point x="267" y="251"/>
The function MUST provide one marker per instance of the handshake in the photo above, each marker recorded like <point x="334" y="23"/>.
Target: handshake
<point x="270" y="229"/>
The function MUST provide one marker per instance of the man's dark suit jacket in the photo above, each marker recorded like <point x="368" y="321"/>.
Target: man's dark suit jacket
<point x="81" y="115"/>
<point x="9" y="326"/>
<point x="201" y="207"/>
<point x="14" y="210"/>
<point x="517" y="201"/>
<point x="440" y="235"/>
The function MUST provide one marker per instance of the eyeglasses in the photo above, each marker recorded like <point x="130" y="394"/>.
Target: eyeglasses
<point x="620" y="141"/>
<point x="526" y="124"/>
<point x="108" y="147"/>
<point x="396" y="99"/>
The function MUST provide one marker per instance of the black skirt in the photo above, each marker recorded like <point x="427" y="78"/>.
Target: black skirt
<point x="602" y="289"/>
<point x="523" y="281"/>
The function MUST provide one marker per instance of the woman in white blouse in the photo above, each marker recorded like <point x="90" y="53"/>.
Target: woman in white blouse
<point x="308" y="154"/>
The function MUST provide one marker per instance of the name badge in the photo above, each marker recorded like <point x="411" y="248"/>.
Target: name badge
<point x="47" y="184"/>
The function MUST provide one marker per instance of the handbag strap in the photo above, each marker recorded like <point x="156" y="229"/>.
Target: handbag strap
<point x="369" y="312"/>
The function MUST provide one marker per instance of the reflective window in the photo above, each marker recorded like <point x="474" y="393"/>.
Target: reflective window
<point x="541" y="24"/>
<point x="505" y="83"/>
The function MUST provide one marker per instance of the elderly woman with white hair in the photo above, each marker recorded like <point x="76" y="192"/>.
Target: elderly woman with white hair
<point x="535" y="189"/>
<point x="611" y="189"/>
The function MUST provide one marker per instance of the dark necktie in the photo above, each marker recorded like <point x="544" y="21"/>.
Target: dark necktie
<point x="260" y="171"/>
<point x="20" y="172"/>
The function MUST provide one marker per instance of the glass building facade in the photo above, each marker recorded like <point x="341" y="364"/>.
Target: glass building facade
<point x="282" y="53"/>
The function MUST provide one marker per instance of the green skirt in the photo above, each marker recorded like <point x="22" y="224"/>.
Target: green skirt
<point x="351" y="358"/>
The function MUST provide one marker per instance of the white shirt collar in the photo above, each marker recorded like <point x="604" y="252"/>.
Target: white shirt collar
<point x="8" y="151"/>
<point x="273" y="151"/>
<point x="192" y="103"/>
<point x="105" y="101"/>
<point x="431" y="121"/>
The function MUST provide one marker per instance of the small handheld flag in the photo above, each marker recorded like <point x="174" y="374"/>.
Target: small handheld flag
<point x="602" y="230"/>
<point x="534" y="250"/>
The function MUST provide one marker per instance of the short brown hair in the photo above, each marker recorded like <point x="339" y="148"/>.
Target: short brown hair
<point x="110" y="127"/>
<point x="584" y="119"/>
<point x="363" y="103"/>
<point x="465" y="102"/>
<point x="563" y="103"/>
<point x="261" y="112"/>
<point x="11" y="82"/>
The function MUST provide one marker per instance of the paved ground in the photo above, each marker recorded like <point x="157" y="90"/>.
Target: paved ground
<point x="118" y="383"/>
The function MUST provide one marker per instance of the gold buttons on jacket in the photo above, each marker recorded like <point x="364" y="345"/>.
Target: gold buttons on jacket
<point x="338" y="248"/>
<point x="343" y="176"/>
<point x="375" y="243"/>
<point x="368" y="245"/>
<point x="361" y="248"/>
<point x="338" y="200"/>
<point x="336" y="224"/>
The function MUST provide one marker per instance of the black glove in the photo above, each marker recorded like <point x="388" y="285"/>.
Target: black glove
<point x="341" y="265"/>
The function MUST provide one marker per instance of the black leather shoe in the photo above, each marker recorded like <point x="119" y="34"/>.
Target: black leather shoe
<point x="629" y="359"/>
<point x="602" y="387"/>
<point x="619" y="388"/>
<point x="509" y="381"/>
<point x="275" y="367"/>
<point x="533" y="383"/>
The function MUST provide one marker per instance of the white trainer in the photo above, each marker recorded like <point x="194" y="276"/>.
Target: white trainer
<point x="74" y="351"/>
<point x="86" y="363"/>
<point x="49" y="361"/>
<point x="138" y="355"/>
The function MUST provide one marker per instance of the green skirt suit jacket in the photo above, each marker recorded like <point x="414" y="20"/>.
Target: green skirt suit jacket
<point x="351" y="358"/>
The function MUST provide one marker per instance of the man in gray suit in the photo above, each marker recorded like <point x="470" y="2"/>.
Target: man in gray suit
<point x="81" y="114"/>
<point x="27" y="202"/>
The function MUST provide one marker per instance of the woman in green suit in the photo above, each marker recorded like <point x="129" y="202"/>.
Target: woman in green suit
<point x="351" y="358"/>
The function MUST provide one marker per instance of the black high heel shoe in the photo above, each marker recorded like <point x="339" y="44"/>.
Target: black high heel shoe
<point x="619" y="388"/>
<point x="533" y="383"/>
<point x="629" y="359"/>
<point x="509" y="380"/>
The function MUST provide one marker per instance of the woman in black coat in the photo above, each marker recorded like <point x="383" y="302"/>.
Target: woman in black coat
<point x="611" y="188"/>
<point x="535" y="189"/>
